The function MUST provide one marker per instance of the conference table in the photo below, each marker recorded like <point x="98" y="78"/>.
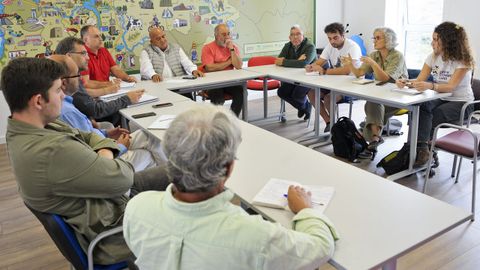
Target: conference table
<point x="212" y="80"/>
<point x="343" y="85"/>
<point x="378" y="220"/>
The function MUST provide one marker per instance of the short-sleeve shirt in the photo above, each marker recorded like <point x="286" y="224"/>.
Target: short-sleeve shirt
<point x="332" y="55"/>
<point x="442" y="72"/>
<point x="394" y="64"/>
<point x="213" y="54"/>
<point x="99" y="65"/>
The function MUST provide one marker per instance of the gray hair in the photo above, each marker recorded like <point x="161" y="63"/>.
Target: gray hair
<point x="199" y="144"/>
<point x="296" y="26"/>
<point x="216" y="29"/>
<point x="390" y="37"/>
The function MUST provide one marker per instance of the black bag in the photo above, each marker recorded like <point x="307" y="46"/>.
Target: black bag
<point x="347" y="141"/>
<point x="396" y="161"/>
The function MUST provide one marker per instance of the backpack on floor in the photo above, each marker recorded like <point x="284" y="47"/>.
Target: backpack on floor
<point x="347" y="141"/>
<point x="396" y="161"/>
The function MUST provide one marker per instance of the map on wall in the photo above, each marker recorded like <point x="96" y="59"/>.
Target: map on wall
<point x="33" y="28"/>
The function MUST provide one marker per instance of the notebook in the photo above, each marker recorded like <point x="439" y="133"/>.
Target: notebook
<point x="273" y="194"/>
<point x="363" y="81"/>
<point x="162" y="122"/>
<point x="146" y="98"/>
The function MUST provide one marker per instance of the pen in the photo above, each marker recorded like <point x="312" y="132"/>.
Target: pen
<point x="314" y="202"/>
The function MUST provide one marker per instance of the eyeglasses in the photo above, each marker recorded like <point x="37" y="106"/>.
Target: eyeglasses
<point x="295" y="34"/>
<point x="71" y="77"/>
<point x="84" y="53"/>
<point x="377" y="38"/>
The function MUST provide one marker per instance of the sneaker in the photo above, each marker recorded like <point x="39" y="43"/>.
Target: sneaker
<point x="365" y="154"/>
<point x="308" y="111"/>
<point x="422" y="157"/>
<point x="327" y="128"/>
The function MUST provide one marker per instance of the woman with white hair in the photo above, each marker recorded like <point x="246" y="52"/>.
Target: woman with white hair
<point x="193" y="224"/>
<point x="387" y="65"/>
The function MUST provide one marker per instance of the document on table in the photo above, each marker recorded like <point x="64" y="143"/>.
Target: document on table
<point x="408" y="91"/>
<point x="312" y="73"/>
<point x="363" y="81"/>
<point x="127" y="84"/>
<point x="162" y="122"/>
<point x="144" y="99"/>
<point x="273" y="194"/>
<point x="115" y="95"/>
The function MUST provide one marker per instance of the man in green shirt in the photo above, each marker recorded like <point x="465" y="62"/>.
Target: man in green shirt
<point x="297" y="53"/>
<point x="62" y="170"/>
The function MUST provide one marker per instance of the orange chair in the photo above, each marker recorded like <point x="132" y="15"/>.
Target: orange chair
<point x="258" y="84"/>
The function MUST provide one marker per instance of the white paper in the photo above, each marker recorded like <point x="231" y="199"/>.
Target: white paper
<point x="273" y="194"/>
<point x="406" y="90"/>
<point x="363" y="81"/>
<point x="127" y="84"/>
<point x="144" y="99"/>
<point x="162" y="122"/>
<point x="115" y="95"/>
<point x="312" y="73"/>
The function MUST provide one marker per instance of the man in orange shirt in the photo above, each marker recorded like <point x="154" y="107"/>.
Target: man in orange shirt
<point x="223" y="54"/>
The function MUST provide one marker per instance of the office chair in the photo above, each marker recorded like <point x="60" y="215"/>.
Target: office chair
<point x="64" y="238"/>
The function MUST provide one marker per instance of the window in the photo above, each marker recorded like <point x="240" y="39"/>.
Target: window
<point x="414" y="21"/>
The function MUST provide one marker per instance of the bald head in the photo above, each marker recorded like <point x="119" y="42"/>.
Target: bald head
<point x="71" y="79"/>
<point x="222" y="34"/>
<point x="158" y="38"/>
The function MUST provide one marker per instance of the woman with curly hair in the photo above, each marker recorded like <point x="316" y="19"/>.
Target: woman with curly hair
<point x="451" y="65"/>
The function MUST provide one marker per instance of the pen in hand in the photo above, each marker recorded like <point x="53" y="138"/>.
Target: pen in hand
<point x="314" y="202"/>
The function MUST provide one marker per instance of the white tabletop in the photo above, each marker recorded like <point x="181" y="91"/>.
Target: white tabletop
<point x="378" y="220"/>
<point x="342" y="84"/>
<point x="211" y="79"/>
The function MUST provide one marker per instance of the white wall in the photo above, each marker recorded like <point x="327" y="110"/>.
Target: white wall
<point x="465" y="12"/>
<point x="4" y="113"/>
<point x="327" y="11"/>
<point x="364" y="16"/>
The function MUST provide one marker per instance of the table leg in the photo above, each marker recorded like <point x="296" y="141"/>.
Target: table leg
<point x="245" y="102"/>
<point x="265" y="97"/>
<point x="316" y="125"/>
<point x="413" y="136"/>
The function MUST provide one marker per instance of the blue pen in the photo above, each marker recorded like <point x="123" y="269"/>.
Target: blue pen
<point x="314" y="202"/>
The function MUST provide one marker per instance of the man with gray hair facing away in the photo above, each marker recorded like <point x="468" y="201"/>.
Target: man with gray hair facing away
<point x="193" y="224"/>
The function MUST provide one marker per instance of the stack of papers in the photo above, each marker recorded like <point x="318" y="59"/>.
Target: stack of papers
<point x="146" y="98"/>
<point x="313" y="73"/>
<point x="273" y="194"/>
<point x="127" y="84"/>
<point x="162" y="122"/>
<point x="406" y="90"/>
<point x="363" y="81"/>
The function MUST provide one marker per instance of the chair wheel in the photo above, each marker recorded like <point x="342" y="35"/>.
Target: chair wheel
<point x="283" y="119"/>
